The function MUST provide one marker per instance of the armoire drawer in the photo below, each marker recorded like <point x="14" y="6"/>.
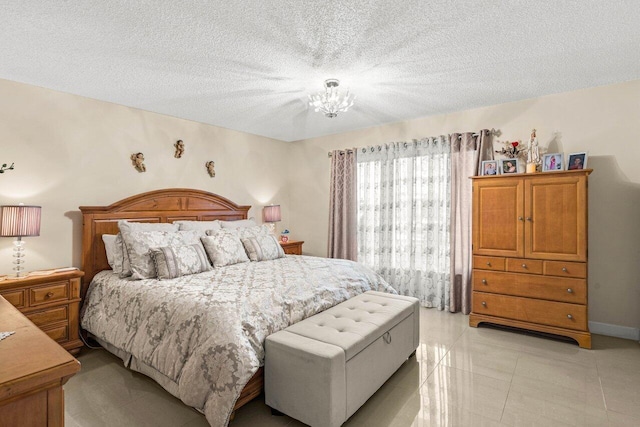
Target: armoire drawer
<point x="566" y="269"/>
<point x="530" y="285"/>
<point x="570" y="316"/>
<point x="488" y="262"/>
<point x="522" y="265"/>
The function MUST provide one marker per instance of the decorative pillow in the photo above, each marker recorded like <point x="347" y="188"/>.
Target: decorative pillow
<point x="254" y="231"/>
<point x="224" y="248"/>
<point x="114" y="250"/>
<point x="241" y="223"/>
<point x="139" y="244"/>
<point x="263" y="248"/>
<point x="201" y="226"/>
<point x="127" y="227"/>
<point x="177" y="261"/>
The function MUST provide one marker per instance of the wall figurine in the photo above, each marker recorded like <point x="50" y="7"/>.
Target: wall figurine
<point x="137" y="160"/>
<point x="4" y="167"/>
<point x="210" y="165"/>
<point x="179" y="149"/>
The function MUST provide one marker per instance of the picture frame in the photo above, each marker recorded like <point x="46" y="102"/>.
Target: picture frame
<point x="577" y="161"/>
<point x="509" y="166"/>
<point x="553" y="162"/>
<point x="489" y="167"/>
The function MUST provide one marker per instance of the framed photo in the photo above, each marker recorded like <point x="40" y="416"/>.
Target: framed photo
<point x="552" y="162"/>
<point x="509" y="166"/>
<point x="577" y="161"/>
<point x="489" y="167"/>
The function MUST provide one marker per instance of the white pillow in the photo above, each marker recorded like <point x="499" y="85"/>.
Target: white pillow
<point x="110" y="247"/>
<point x="263" y="248"/>
<point x="115" y="252"/>
<point x="241" y="223"/>
<point x="224" y="248"/>
<point x="201" y="226"/>
<point x="127" y="227"/>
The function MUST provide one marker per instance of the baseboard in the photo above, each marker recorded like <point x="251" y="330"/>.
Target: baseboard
<point x="625" y="332"/>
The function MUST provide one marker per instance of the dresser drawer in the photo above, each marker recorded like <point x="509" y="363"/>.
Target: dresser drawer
<point x="52" y="315"/>
<point x="529" y="285"/>
<point x="488" y="263"/>
<point x="565" y="269"/>
<point x="16" y="298"/>
<point x="58" y="291"/>
<point x="570" y="316"/>
<point x="59" y="333"/>
<point x="521" y="265"/>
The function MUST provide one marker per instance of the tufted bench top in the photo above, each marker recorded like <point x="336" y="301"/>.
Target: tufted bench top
<point x="357" y="322"/>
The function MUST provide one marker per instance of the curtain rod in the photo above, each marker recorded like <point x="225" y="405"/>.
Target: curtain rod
<point x="493" y="132"/>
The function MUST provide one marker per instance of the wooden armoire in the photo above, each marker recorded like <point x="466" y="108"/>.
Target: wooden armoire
<point x="530" y="252"/>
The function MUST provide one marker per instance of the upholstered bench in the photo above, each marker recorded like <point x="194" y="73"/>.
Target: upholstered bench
<point x="322" y="369"/>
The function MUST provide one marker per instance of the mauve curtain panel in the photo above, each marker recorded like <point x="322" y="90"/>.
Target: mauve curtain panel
<point x="467" y="153"/>
<point x="343" y="241"/>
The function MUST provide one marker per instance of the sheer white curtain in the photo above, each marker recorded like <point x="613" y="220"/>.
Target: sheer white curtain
<point x="404" y="193"/>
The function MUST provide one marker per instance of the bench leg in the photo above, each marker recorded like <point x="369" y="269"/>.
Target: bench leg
<point x="276" y="413"/>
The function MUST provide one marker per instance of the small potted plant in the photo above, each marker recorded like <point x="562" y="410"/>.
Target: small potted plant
<point x="284" y="236"/>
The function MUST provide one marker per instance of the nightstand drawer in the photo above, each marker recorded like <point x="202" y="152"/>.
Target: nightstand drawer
<point x="52" y="315"/>
<point x="16" y="298"/>
<point x="58" y="291"/>
<point x="59" y="334"/>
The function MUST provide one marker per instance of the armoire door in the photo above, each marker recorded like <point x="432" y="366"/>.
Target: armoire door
<point x="556" y="218"/>
<point x="498" y="217"/>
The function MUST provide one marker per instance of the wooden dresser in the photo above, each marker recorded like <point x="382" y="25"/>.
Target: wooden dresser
<point x="51" y="302"/>
<point x="292" y="247"/>
<point x="530" y="252"/>
<point x="33" y="369"/>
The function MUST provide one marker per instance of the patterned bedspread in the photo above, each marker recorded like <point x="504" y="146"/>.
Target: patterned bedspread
<point x="206" y="331"/>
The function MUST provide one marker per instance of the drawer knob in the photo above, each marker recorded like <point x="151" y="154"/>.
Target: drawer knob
<point x="484" y="281"/>
<point x="484" y="304"/>
<point x="49" y="295"/>
<point x="570" y="290"/>
<point x="564" y="269"/>
<point x="488" y="263"/>
<point x="524" y="265"/>
<point x="569" y="316"/>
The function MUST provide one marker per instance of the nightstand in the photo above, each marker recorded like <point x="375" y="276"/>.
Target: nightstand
<point x="292" y="247"/>
<point x="51" y="302"/>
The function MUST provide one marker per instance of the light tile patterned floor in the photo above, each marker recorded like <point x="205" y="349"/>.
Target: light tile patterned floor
<point x="461" y="376"/>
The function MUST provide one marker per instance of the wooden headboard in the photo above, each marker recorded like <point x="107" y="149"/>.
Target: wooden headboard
<point x="154" y="206"/>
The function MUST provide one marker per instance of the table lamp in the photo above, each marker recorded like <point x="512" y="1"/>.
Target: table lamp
<point x="19" y="221"/>
<point x="272" y="215"/>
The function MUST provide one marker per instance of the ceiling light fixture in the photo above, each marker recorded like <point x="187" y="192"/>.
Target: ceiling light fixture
<point x="331" y="101"/>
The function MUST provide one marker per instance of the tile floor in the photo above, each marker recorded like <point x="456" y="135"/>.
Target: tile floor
<point x="461" y="376"/>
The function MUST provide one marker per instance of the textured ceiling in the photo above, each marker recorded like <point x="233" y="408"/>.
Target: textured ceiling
<point x="249" y="64"/>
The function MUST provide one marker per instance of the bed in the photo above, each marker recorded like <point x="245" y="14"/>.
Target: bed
<point x="201" y="337"/>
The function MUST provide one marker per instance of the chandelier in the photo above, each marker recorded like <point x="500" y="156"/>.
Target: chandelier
<point x="331" y="101"/>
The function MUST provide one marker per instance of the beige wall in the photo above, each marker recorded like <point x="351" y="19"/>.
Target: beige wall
<point x="71" y="151"/>
<point x="604" y="121"/>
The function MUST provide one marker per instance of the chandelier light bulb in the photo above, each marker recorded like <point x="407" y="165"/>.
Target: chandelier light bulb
<point x="331" y="101"/>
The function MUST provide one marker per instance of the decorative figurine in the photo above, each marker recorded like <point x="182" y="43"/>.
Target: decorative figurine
<point x="533" y="155"/>
<point x="179" y="149"/>
<point x="5" y="168"/>
<point x="210" y="165"/>
<point x="137" y="160"/>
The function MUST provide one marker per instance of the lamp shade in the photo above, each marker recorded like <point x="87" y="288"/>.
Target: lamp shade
<point x="19" y="221"/>
<point x="272" y="213"/>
